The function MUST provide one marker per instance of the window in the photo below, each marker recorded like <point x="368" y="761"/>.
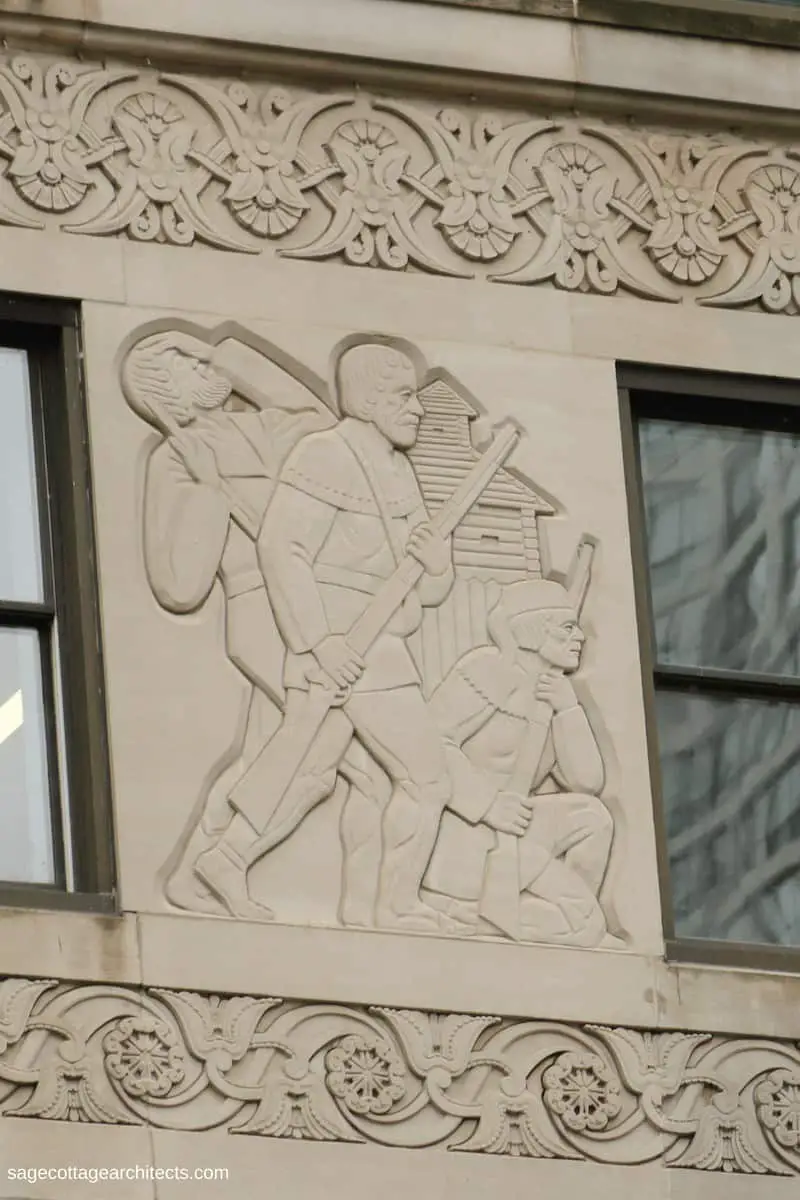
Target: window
<point x="716" y="472"/>
<point x="55" y="843"/>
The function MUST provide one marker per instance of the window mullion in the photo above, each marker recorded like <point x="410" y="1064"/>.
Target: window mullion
<point x="21" y="614"/>
<point x="48" y="657"/>
<point x="742" y="683"/>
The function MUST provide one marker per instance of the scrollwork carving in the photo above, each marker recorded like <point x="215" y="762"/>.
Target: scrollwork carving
<point x="400" y="1077"/>
<point x="157" y="187"/>
<point x="372" y="209"/>
<point x="516" y="197"/>
<point x="49" y="146"/>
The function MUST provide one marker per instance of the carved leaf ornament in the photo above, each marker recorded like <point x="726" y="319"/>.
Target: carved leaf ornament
<point x="404" y="1078"/>
<point x="514" y="197"/>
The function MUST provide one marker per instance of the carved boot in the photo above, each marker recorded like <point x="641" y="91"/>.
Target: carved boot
<point x="183" y="888"/>
<point x="225" y="873"/>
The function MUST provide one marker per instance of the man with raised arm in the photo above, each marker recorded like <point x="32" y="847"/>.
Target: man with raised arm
<point x="206" y="489"/>
<point x="346" y="511"/>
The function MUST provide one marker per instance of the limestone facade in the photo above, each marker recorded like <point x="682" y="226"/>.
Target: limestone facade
<point x="329" y="934"/>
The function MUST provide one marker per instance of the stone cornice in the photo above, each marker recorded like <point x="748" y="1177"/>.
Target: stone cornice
<point x="750" y="21"/>
<point x="562" y="89"/>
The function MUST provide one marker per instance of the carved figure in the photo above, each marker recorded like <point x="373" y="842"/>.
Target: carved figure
<point x="384" y="599"/>
<point x="207" y="486"/>
<point x="528" y="860"/>
<point x="347" y="514"/>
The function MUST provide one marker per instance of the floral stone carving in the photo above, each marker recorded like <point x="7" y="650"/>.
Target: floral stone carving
<point x="580" y="1089"/>
<point x="517" y="197"/>
<point x="407" y="1078"/>
<point x="142" y="1055"/>
<point x="366" y="1075"/>
<point x="778" y="1099"/>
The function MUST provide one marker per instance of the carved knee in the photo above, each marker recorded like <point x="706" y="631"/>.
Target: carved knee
<point x="373" y="784"/>
<point x="414" y="810"/>
<point x="598" y="817"/>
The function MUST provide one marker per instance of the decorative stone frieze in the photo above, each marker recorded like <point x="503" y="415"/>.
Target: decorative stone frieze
<point x="397" y="1077"/>
<point x="514" y="197"/>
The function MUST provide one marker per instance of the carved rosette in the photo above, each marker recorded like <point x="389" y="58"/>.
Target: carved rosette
<point x="143" y="1056"/>
<point x="400" y="1077"/>
<point x="515" y="197"/>
<point x="778" y="1107"/>
<point x="365" y="1074"/>
<point x="582" y="1091"/>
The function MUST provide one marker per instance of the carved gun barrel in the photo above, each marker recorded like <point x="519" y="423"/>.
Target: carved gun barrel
<point x="382" y="608"/>
<point x="260" y="793"/>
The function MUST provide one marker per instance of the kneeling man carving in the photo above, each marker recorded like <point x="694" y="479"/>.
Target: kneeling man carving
<point x="525" y="843"/>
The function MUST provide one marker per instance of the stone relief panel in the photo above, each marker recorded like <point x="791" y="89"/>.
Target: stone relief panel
<point x="397" y="1077"/>
<point x="380" y="182"/>
<point x="380" y="559"/>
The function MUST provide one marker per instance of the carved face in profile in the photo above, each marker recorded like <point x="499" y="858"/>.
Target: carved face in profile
<point x="199" y="387"/>
<point x="397" y="411"/>
<point x="554" y="635"/>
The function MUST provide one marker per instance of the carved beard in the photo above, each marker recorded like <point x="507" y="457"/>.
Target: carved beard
<point x="212" y="394"/>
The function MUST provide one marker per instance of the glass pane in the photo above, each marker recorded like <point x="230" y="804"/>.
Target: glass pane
<point x="20" y="550"/>
<point x="731" y="783"/>
<point x="723" y="531"/>
<point x="26" y="839"/>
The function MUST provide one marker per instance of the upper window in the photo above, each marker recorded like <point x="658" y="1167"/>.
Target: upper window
<point x="55" y="846"/>
<point x="718" y="468"/>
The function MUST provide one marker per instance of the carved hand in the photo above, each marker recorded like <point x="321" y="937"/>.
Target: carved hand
<point x="198" y="457"/>
<point x="184" y="343"/>
<point x="510" y="813"/>
<point x="338" y="660"/>
<point x="428" y="547"/>
<point x="557" y="691"/>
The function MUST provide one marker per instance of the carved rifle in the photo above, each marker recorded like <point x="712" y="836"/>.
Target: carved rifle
<point x="500" y="898"/>
<point x="258" y="796"/>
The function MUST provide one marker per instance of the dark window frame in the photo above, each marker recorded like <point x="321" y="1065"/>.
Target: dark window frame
<point x="694" y="397"/>
<point x="49" y="332"/>
<point x="760" y="22"/>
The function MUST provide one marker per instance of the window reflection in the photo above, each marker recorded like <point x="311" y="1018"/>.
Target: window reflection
<point x="20" y="552"/>
<point x="731" y="791"/>
<point x="722" y="511"/>
<point x="26" y="847"/>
